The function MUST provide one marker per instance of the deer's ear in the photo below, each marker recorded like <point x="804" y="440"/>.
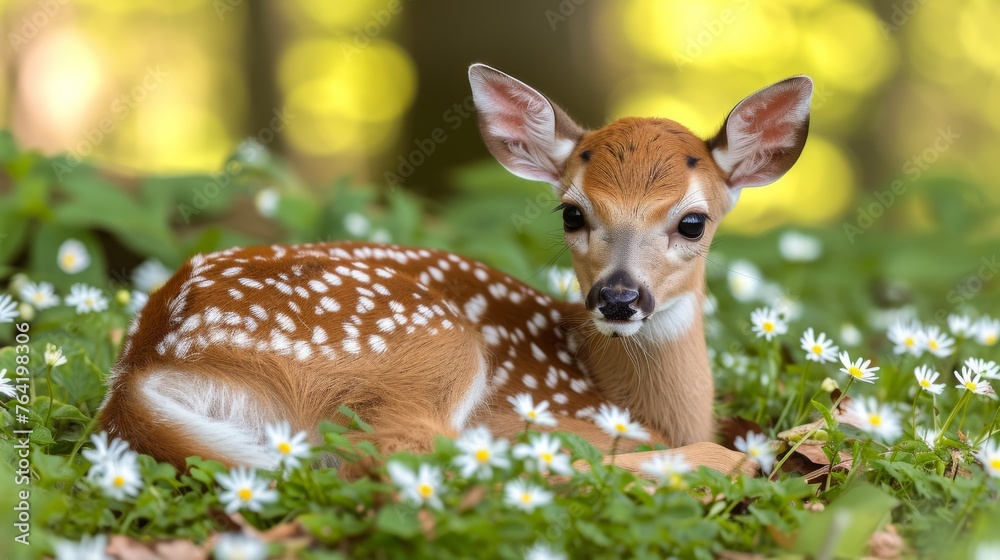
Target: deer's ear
<point x="764" y="134"/>
<point x="528" y="134"/>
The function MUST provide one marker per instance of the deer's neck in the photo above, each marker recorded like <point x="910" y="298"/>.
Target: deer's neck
<point x="661" y="374"/>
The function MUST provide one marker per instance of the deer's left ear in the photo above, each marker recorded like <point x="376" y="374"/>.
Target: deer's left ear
<point x="764" y="134"/>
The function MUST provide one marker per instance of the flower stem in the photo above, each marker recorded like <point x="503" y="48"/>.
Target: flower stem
<point x="614" y="450"/>
<point x="913" y="410"/>
<point x="52" y="395"/>
<point x="812" y="431"/>
<point x="989" y="429"/>
<point x="802" y="391"/>
<point x="951" y="418"/>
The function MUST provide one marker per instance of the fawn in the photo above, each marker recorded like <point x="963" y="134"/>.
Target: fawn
<point x="422" y="342"/>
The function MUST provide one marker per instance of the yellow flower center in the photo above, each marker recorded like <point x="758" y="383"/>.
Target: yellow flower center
<point x="768" y="326"/>
<point x="676" y="481"/>
<point x="909" y="341"/>
<point x="875" y="420"/>
<point x="68" y="260"/>
<point x="995" y="463"/>
<point x="925" y="383"/>
<point x="118" y="481"/>
<point x="245" y="494"/>
<point x="753" y="452"/>
<point x="621" y="428"/>
<point x="526" y="497"/>
<point x="546" y="457"/>
<point x="933" y="344"/>
<point x="90" y="302"/>
<point x="970" y="386"/>
<point x="817" y="349"/>
<point x="284" y="448"/>
<point x="425" y="490"/>
<point x="533" y="415"/>
<point x="856" y="372"/>
<point x="38" y="297"/>
<point x="991" y="339"/>
<point x="482" y="455"/>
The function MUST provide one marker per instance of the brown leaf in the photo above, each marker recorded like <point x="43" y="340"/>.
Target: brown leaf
<point x="730" y="428"/>
<point x="427" y="523"/>
<point x="126" y="548"/>
<point x="886" y="544"/>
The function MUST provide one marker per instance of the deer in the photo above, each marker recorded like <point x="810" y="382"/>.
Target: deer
<point x="420" y="342"/>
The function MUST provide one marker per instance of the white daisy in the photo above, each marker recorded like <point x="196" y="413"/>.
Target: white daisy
<point x="908" y="338"/>
<point x="86" y="299"/>
<point x="669" y="468"/>
<point x="542" y="454"/>
<point x="526" y="409"/>
<point x="618" y="423"/>
<point x="380" y="235"/>
<point x="150" y="276"/>
<point x="829" y="385"/>
<point x="972" y="381"/>
<point x="287" y="450"/>
<point x="54" y="356"/>
<point x="850" y="335"/>
<point x="989" y="456"/>
<point x="7" y="387"/>
<point x="928" y="435"/>
<point x="878" y="419"/>
<point x="758" y="448"/>
<point x="766" y="323"/>
<point x="818" y="349"/>
<point x="745" y="280"/>
<point x="481" y="453"/>
<point x="798" y="247"/>
<point x="859" y="369"/>
<point x="926" y="378"/>
<point x="41" y="295"/>
<point x="88" y="548"/>
<point x="8" y="309"/>
<point x="539" y="551"/>
<point x="239" y="546"/>
<point x="104" y="453"/>
<point x="120" y="478"/>
<point x="266" y="201"/>
<point x="937" y="342"/>
<point x="526" y="496"/>
<point x="243" y="489"/>
<point x="563" y="282"/>
<point x="73" y="256"/>
<point x="418" y="488"/>
<point x="137" y="302"/>
<point x="356" y="224"/>
<point x="961" y="326"/>
<point x="987" y="331"/>
<point x="990" y="370"/>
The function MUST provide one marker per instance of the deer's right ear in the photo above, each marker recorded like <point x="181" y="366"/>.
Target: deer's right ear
<point x="528" y="134"/>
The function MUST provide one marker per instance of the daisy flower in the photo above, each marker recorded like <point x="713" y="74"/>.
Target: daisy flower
<point x="961" y="326"/>
<point x="150" y="276"/>
<point x="818" y="349"/>
<point x="8" y="309"/>
<point x="356" y="224"/>
<point x="7" y="387"/>
<point x="73" y="257"/>
<point x="972" y="381"/>
<point x="539" y="551"/>
<point x="480" y="453"/>
<point x="744" y="280"/>
<point x="266" y="201"/>
<point x="617" y="423"/>
<point x="758" y="448"/>
<point x="238" y="546"/>
<point x="526" y="409"/>
<point x="86" y="299"/>
<point x="542" y="453"/>
<point x="989" y="456"/>
<point x="563" y="281"/>
<point x="526" y="496"/>
<point x="798" y="247"/>
<point x="137" y="302"/>
<point x="987" y="331"/>
<point x="878" y="419"/>
<point x="859" y="369"/>
<point x="243" y="489"/>
<point x="88" y="548"/>
<point x="418" y="488"/>
<point x="926" y="378"/>
<point x="120" y="478"/>
<point x="104" y="453"/>
<point x="766" y="323"/>
<point x="669" y="468"/>
<point x="287" y="450"/>
<point x="937" y="342"/>
<point x="907" y="337"/>
<point x="928" y="435"/>
<point x="989" y="370"/>
<point x="54" y="356"/>
<point x="850" y="335"/>
<point x="41" y="295"/>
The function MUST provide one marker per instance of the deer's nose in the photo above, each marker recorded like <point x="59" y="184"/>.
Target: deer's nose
<point x="619" y="294"/>
<point x="618" y="297"/>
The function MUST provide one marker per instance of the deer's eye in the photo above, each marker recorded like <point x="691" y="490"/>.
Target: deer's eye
<point x="572" y="218"/>
<point x="692" y="226"/>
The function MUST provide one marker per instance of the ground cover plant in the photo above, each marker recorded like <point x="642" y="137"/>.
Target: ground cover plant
<point x="858" y="371"/>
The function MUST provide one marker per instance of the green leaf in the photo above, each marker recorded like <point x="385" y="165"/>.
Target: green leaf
<point x="842" y="529"/>
<point x="398" y="520"/>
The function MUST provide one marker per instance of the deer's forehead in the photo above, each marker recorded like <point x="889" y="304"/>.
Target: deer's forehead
<point x="641" y="169"/>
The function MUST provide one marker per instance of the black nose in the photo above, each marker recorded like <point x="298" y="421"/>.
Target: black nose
<point x="619" y="294"/>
